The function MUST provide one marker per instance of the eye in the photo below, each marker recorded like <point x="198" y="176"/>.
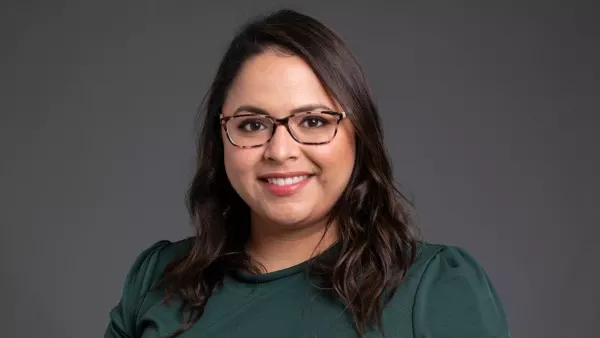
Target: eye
<point x="313" y="122"/>
<point x="251" y="125"/>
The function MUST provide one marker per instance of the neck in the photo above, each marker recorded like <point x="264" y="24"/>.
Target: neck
<point x="277" y="248"/>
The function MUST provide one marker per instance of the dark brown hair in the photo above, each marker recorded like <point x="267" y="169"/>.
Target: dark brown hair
<point x="377" y="243"/>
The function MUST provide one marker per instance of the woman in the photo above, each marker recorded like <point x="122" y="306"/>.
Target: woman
<point x="300" y="231"/>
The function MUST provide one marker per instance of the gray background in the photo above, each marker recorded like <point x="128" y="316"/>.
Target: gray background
<point x="490" y="111"/>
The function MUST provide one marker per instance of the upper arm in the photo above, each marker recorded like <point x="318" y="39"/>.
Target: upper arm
<point x="455" y="298"/>
<point x="141" y="276"/>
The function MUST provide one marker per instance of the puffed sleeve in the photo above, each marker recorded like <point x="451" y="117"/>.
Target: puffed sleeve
<point x="455" y="298"/>
<point x="140" y="278"/>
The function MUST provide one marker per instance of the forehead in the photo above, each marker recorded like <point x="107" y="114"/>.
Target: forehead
<point x="277" y="83"/>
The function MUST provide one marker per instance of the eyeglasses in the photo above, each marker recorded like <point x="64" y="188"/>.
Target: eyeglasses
<point x="252" y="130"/>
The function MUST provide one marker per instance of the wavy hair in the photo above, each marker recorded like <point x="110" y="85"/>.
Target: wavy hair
<point x="377" y="239"/>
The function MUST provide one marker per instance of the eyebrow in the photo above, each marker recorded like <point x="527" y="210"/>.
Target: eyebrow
<point x="300" y="109"/>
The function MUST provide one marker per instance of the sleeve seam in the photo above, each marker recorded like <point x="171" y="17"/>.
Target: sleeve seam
<point x="154" y="254"/>
<point x="419" y="284"/>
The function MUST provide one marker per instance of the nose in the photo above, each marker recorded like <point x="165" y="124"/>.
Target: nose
<point x="281" y="147"/>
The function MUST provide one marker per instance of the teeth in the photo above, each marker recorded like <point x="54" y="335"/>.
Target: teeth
<point x="287" y="180"/>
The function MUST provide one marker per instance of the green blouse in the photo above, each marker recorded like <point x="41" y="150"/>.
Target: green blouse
<point x="446" y="294"/>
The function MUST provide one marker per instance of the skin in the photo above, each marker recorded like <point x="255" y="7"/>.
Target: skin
<point x="287" y="230"/>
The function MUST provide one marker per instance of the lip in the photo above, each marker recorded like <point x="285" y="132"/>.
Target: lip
<point x="287" y="189"/>
<point x="285" y="174"/>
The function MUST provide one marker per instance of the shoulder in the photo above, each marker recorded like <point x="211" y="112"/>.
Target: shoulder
<point x="454" y="296"/>
<point x="152" y="260"/>
<point x="150" y="263"/>
<point x="434" y="258"/>
<point x="144" y="272"/>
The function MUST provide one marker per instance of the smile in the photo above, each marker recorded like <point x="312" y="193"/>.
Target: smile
<point x="285" y="184"/>
<point x="280" y="181"/>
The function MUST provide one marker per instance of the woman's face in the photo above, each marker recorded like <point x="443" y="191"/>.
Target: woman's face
<point x="284" y="182"/>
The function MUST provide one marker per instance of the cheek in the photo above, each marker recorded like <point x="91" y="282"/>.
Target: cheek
<point x="239" y="163"/>
<point x="344" y="147"/>
<point x="337" y="159"/>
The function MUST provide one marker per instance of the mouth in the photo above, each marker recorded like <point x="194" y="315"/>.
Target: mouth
<point x="285" y="184"/>
<point x="283" y="181"/>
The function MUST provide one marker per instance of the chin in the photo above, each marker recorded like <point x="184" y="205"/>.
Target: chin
<point x="288" y="215"/>
<point x="290" y="220"/>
